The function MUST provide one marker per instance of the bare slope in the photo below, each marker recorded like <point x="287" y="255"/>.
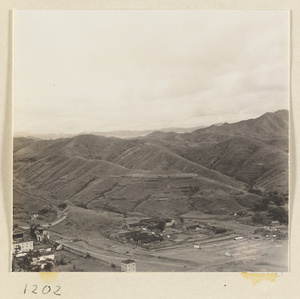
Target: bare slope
<point x="209" y="170"/>
<point x="254" y="151"/>
<point x="116" y="175"/>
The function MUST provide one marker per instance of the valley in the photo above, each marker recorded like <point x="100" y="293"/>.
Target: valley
<point x="170" y="201"/>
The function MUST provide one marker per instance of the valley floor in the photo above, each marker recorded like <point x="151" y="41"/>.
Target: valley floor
<point x="217" y="253"/>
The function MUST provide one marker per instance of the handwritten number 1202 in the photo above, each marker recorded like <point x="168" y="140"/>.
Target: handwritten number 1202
<point x="45" y="290"/>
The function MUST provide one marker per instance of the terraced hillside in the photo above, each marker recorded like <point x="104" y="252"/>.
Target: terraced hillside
<point x="210" y="169"/>
<point x="253" y="151"/>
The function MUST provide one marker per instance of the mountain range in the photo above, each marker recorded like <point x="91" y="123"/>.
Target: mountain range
<point x="213" y="169"/>
<point x="115" y="133"/>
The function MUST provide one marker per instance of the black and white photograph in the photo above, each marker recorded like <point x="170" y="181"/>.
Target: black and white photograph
<point x="150" y="141"/>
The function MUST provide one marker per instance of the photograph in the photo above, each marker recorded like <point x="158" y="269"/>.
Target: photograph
<point x="150" y="141"/>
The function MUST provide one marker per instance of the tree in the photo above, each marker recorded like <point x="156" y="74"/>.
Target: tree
<point x="62" y="261"/>
<point x="257" y="218"/>
<point x="279" y="213"/>
<point x="161" y="225"/>
<point x="277" y="198"/>
<point x="262" y="205"/>
<point x="33" y="228"/>
<point x="26" y="263"/>
<point x="62" y="205"/>
<point x="48" y="266"/>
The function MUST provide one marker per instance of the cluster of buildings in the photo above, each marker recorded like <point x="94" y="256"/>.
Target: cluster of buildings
<point x="146" y="231"/>
<point x="153" y="223"/>
<point x="21" y="245"/>
<point x="142" y="237"/>
<point x="24" y="243"/>
<point x="41" y="234"/>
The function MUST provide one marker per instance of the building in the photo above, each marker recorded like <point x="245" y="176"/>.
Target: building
<point x="43" y="260"/>
<point x="41" y="234"/>
<point x="20" y="244"/>
<point x="21" y="247"/>
<point x="35" y="216"/>
<point x="170" y="223"/>
<point x="275" y="222"/>
<point x="18" y="236"/>
<point x="128" y="266"/>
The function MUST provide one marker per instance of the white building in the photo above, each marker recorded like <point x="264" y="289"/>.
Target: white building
<point x="43" y="260"/>
<point x="128" y="266"/>
<point x="23" y="246"/>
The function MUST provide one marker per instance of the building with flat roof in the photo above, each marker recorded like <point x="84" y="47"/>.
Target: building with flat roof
<point x="20" y="247"/>
<point x="18" y="236"/>
<point x="128" y="266"/>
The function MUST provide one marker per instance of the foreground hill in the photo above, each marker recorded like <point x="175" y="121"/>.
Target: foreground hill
<point x="139" y="177"/>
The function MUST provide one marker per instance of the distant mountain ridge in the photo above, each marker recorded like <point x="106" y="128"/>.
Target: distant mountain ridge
<point x="274" y="124"/>
<point x="117" y="133"/>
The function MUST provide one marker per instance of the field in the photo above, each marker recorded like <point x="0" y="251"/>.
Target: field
<point x="177" y="252"/>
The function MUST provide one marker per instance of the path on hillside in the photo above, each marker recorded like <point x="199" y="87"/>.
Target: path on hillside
<point x="62" y="216"/>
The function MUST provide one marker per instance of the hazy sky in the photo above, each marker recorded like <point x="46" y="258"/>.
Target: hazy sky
<point x="77" y="71"/>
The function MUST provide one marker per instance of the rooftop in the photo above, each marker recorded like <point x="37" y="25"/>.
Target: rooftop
<point x="128" y="261"/>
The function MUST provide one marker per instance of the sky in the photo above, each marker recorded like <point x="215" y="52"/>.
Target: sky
<point x="98" y="71"/>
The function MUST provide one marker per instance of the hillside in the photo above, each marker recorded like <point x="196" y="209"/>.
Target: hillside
<point x="254" y="151"/>
<point x="164" y="173"/>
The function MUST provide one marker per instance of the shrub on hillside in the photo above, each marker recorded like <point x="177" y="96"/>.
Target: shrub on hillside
<point x="277" y="198"/>
<point x="262" y="205"/>
<point x="279" y="213"/>
<point x="161" y="225"/>
<point x="44" y="210"/>
<point x="258" y="218"/>
<point x="62" y="205"/>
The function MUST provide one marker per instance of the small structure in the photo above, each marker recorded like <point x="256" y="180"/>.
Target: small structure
<point x="128" y="266"/>
<point x="275" y="222"/>
<point x="196" y="246"/>
<point x="35" y="216"/>
<point x="18" y="236"/>
<point x="136" y="224"/>
<point x="43" y="260"/>
<point x="142" y="237"/>
<point x="193" y="227"/>
<point x="170" y="223"/>
<point x="238" y="238"/>
<point x="41" y="234"/>
<point x="60" y="247"/>
<point x="21" y="245"/>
